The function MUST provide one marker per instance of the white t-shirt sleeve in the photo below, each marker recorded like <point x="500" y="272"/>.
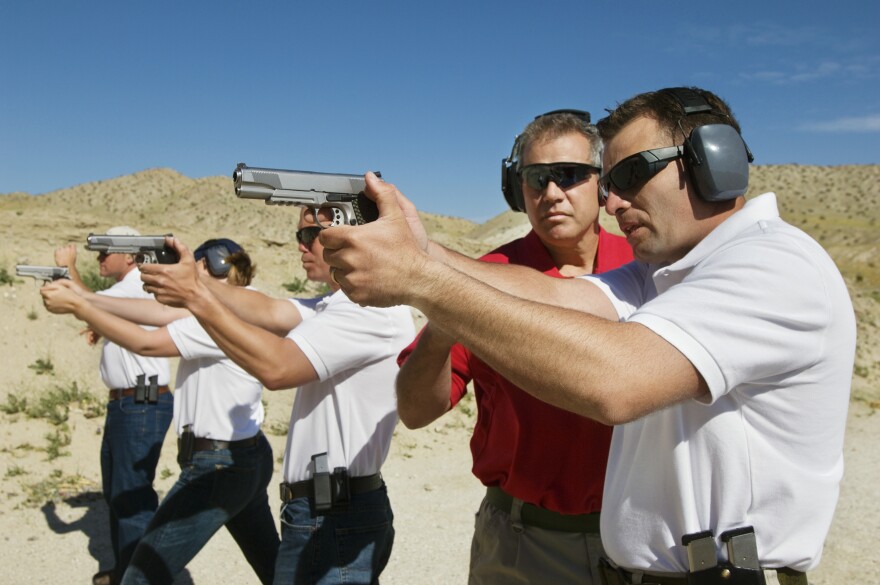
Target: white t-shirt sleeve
<point x="192" y="340"/>
<point x="626" y="287"/>
<point x="344" y="336"/>
<point x="738" y="321"/>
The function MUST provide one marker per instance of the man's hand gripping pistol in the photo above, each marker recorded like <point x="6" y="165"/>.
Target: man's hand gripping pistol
<point x="42" y="273"/>
<point x="343" y="195"/>
<point x="145" y="249"/>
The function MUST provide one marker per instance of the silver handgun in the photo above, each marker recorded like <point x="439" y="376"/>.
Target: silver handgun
<point x="343" y="195"/>
<point x="42" y="273"/>
<point x="145" y="249"/>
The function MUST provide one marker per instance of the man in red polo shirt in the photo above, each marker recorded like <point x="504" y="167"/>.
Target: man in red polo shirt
<point x="544" y="467"/>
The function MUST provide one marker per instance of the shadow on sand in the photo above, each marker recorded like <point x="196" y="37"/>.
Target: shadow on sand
<point x="94" y="524"/>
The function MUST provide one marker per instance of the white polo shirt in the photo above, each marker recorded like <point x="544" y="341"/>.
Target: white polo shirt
<point x="120" y="367"/>
<point x="351" y="411"/>
<point x="213" y="394"/>
<point x="761" y="311"/>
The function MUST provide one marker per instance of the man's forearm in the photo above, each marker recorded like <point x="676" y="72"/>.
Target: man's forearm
<point x="124" y="333"/>
<point x="276" y="361"/>
<point x="275" y="315"/>
<point x="143" y="311"/>
<point x="573" y="360"/>
<point x="424" y="380"/>
<point x="526" y="283"/>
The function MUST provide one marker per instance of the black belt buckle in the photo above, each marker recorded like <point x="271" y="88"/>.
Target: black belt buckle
<point x="185" y="445"/>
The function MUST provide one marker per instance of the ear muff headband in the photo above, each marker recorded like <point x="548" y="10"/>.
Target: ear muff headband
<point x="716" y="156"/>
<point x="510" y="184"/>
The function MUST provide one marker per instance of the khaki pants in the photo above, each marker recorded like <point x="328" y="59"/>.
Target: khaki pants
<point x="505" y="552"/>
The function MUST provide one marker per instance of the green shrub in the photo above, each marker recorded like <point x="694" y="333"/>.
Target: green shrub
<point x="6" y="278"/>
<point x="92" y="278"/>
<point x="298" y="285"/>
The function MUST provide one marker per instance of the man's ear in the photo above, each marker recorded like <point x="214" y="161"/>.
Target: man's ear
<point x="129" y="259"/>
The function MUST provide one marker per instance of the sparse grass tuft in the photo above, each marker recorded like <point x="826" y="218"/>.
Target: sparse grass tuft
<point x="57" y="441"/>
<point x="278" y="429"/>
<point x="165" y="473"/>
<point x="43" y="366"/>
<point x="54" y="405"/>
<point x="298" y="285"/>
<point x="56" y="488"/>
<point x="32" y="315"/>
<point x="15" y="471"/>
<point x="14" y="404"/>
<point x="6" y="278"/>
<point x="93" y="279"/>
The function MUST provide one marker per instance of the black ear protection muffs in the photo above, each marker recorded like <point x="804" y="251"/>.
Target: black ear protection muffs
<point x="716" y="156"/>
<point x="215" y="258"/>
<point x="511" y="186"/>
<point x="215" y="252"/>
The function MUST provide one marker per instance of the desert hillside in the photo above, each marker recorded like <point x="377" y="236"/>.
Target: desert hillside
<point x="839" y="206"/>
<point x="51" y="398"/>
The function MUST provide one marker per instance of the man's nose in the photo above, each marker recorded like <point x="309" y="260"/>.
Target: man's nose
<point x="552" y="192"/>
<point x="615" y="203"/>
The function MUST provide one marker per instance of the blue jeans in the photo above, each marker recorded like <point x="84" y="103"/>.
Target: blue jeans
<point x="350" y="545"/>
<point x="133" y="435"/>
<point x="218" y="488"/>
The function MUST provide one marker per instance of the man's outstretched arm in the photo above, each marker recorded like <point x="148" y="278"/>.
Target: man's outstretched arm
<point x="276" y="361"/>
<point x="276" y="315"/>
<point x="581" y="360"/>
<point x="61" y="299"/>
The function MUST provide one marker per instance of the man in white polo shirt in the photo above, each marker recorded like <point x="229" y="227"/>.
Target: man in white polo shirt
<point x="723" y="354"/>
<point x="336" y="523"/>
<point x="136" y="423"/>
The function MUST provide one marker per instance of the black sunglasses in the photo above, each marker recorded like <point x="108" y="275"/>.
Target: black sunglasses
<point x="564" y="174"/>
<point x="638" y="169"/>
<point x="307" y="235"/>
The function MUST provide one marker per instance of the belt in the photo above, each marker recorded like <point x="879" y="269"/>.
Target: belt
<point x="619" y="576"/>
<point x="542" y="518"/>
<point x="118" y="393"/>
<point x="306" y="489"/>
<point x="202" y="444"/>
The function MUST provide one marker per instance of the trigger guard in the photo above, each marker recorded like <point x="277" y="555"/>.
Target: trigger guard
<point x="338" y="217"/>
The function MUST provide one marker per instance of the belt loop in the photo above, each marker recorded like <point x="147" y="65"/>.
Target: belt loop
<point x="516" y="515"/>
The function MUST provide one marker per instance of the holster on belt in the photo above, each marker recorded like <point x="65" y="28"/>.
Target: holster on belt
<point x="185" y="444"/>
<point x="146" y="393"/>
<point x="742" y="567"/>
<point x="331" y="489"/>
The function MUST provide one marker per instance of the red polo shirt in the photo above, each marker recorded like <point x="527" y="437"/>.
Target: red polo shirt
<point x="536" y="452"/>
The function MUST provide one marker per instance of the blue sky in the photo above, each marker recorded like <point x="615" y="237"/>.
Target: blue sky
<point x="431" y="94"/>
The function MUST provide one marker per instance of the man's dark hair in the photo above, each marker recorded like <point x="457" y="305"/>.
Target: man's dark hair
<point x="666" y="110"/>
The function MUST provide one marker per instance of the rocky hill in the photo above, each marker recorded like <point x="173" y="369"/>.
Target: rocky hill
<point x="839" y="206"/>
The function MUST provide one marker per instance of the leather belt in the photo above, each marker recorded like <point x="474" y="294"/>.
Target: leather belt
<point x="541" y="517"/>
<point x="620" y="576"/>
<point x="118" y="393"/>
<point x="202" y="444"/>
<point x="305" y="489"/>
